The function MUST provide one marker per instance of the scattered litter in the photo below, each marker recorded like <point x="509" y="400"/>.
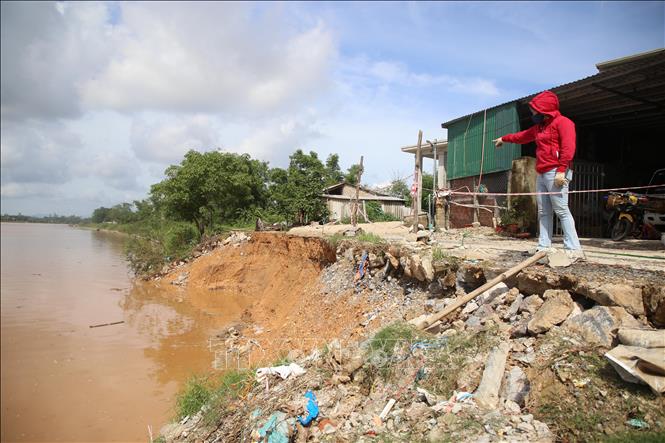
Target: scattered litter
<point x="461" y="396"/>
<point x="278" y="429"/>
<point x="283" y="371"/>
<point x="640" y="365"/>
<point x="637" y="423"/>
<point x="312" y="409"/>
<point x="362" y="266"/>
<point x="387" y="408"/>
<point x="582" y="382"/>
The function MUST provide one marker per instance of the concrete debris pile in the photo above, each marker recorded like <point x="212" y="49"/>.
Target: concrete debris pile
<point x="522" y="361"/>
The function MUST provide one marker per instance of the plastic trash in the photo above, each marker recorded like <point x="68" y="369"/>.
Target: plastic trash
<point x="640" y="365"/>
<point x="278" y="428"/>
<point x="312" y="409"/>
<point x="284" y="371"/>
<point x="461" y="396"/>
<point x="637" y="423"/>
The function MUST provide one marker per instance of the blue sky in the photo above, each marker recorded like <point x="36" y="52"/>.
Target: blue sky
<point x="99" y="98"/>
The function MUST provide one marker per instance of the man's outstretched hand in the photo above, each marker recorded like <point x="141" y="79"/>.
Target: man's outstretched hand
<point x="498" y="142"/>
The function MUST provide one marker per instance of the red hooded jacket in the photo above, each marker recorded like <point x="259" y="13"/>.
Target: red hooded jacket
<point x="555" y="137"/>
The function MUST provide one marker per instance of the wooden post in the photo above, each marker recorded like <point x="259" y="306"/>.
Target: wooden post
<point x="354" y="207"/>
<point x="418" y="178"/>
<point x="426" y="322"/>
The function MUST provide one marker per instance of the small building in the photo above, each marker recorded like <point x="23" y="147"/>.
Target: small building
<point x="619" y="114"/>
<point x="339" y="200"/>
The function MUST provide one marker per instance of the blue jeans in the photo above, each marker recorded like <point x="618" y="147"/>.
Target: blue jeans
<point x="557" y="204"/>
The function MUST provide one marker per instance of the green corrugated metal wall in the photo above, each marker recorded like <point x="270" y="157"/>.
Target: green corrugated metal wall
<point x="465" y="141"/>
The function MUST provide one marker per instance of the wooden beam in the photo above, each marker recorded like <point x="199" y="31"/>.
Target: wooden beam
<point x="629" y="96"/>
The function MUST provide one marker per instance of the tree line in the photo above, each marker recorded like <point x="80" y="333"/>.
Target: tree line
<point x="215" y="188"/>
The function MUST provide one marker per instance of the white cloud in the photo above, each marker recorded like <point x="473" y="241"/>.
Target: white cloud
<point x="390" y="72"/>
<point x="166" y="139"/>
<point x="46" y="52"/>
<point x="38" y="152"/>
<point x="275" y="140"/>
<point x="206" y="57"/>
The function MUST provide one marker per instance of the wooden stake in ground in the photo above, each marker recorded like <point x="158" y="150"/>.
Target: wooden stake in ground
<point x="354" y="207"/>
<point x="418" y="179"/>
<point x="428" y="321"/>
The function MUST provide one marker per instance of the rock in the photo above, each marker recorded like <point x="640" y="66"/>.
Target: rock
<point x="518" y="330"/>
<point x="427" y="268"/>
<point x="531" y="304"/>
<point x="471" y="277"/>
<point x="437" y="434"/>
<point x="532" y="282"/>
<point x="376" y="261"/>
<point x="418" y="411"/>
<point x="514" y="306"/>
<point x="458" y="325"/>
<point x="654" y="302"/>
<point x="643" y="338"/>
<point x="608" y="294"/>
<point x="511" y="407"/>
<point x="543" y="432"/>
<point x="516" y="386"/>
<point x="427" y="396"/>
<point x="457" y="408"/>
<point x="435" y="289"/>
<point x="405" y="264"/>
<point x="492" y="293"/>
<point x="469" y="378"/>
<point x="423" y="236"/>
<point x="487" y="394"/>
<point x="473" y="322"/>
<point x="416" y="267"/>
<point x="484" y="312"/>
<point x="470" y="307"/>
<point x="512" y="294"/>
<point x="526" y="427"/>
<point x="555" y="310"/>
<point x="394" y="262"/>
<point x="599" y="324"/>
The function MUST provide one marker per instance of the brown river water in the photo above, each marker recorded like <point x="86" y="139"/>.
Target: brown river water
<point x="65" y="381"/>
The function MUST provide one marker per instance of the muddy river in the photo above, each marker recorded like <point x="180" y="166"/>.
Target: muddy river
<point x="65" y="381"/>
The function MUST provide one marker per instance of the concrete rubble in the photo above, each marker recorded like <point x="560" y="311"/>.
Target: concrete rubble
<point x="481" y="374"/>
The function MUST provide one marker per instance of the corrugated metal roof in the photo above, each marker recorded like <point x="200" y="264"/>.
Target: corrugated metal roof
<point x="610" y="70"/>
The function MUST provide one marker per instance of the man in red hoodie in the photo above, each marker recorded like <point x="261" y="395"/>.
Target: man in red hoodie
<point x="554" y="135"/>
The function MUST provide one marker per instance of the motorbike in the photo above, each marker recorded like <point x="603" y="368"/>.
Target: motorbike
<point x="627" y="215"/>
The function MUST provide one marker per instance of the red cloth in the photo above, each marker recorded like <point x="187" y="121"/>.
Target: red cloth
<point x="555" y="137"/>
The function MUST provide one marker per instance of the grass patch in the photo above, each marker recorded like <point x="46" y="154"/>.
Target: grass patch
<point x="635" y="436"/>
<point x="446" y="363"/>
<point x="197" y="392"/>
<point x="215" y="392"/>
<point x="384" y="345"/>
<point x="335" y="239"/>
<point x="230" y="386"/>
<point x="368" y="237"/>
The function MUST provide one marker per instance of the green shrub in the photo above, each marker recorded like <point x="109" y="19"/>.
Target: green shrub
<point x="376" y="214"/>
<point x="197" y="392"/>
<point x="145" y="255"/>
<point x="178" y="239"/>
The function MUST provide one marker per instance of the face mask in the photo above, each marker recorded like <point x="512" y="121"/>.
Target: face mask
<point x="538" y="118"/>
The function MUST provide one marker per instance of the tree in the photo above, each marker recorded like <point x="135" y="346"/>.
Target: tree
<point x="100" y="215"/>
<point x="211" y="186"/>
<point x="333" y="173"/>
<point x="428" y="182"/>
<point x="351" y="176"/>
<point x="296" y="192"/>
<point x="399" y="188"/>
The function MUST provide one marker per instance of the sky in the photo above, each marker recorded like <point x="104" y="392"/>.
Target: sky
<point x="98" y="98"/>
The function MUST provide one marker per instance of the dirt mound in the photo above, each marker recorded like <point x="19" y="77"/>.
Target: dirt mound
<point x="271" y="287"/>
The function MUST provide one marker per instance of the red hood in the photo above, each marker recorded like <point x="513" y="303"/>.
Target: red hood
<point x="546" y="103"/>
